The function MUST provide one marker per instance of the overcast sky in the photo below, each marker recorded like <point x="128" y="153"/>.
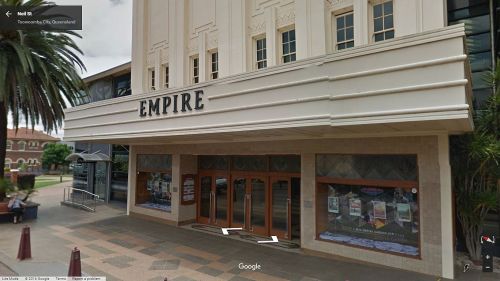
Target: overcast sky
<point x="107" y="35"/>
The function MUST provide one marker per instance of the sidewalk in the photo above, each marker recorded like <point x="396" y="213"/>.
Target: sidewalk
<point x="127" y="248"/>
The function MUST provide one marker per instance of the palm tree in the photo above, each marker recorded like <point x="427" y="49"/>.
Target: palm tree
<point x="38" y="76"/>
<point x="475" y="162"/>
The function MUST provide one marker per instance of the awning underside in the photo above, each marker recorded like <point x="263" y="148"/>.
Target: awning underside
<point x="88" y="157"/>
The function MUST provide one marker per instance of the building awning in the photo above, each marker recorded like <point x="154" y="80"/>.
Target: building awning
<point x="88" y="157"/>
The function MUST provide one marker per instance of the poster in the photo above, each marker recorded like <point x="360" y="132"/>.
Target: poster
<point x="333" y="204"/>
<point x="379" y="210"/>
<point x="355" y="207"/>
<point x="403" y="212"/>
<point x="187" y="196"/>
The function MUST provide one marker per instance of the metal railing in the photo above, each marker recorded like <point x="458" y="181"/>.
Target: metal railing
<point x="80" y="198"/>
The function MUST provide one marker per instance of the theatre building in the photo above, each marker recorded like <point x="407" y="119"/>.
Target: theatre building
<point x="325" y="123"/>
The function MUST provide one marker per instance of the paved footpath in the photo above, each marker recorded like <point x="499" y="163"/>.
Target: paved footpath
<point x="126" y="248"/>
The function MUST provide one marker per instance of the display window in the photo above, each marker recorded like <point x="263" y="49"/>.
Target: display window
<point x="373" y="210"/>
<point x="154" y="182"/>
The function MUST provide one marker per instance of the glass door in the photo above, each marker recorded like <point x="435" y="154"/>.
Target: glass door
<point x="258" y="205"/>
<point x="213" y="199"/>
<point x="205" y="199"/>
<point x="100" y="178"/>
<point x="280" y="207"/>
<point x="220" y="193"/>
<point x="239" y="202"/>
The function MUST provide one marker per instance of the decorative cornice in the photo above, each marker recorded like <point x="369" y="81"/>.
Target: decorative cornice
<point x="285" y="19"/>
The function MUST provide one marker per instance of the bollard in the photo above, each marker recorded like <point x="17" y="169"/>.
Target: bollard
<point x="24" y="244"/>
<point x="75" y="265"/>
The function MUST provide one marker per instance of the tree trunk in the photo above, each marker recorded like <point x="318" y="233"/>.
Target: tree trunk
<point x="3" y="137"/>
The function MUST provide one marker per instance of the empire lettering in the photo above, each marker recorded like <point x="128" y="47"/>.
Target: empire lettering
<point x="184" y="102"/>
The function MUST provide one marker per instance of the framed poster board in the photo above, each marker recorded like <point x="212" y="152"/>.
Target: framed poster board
<point x="187" y="189"/>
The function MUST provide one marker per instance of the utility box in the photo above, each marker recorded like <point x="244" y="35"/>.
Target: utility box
<point x="487" y="252"/>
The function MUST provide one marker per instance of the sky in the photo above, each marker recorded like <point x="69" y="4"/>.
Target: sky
<point x="107" y="36"/>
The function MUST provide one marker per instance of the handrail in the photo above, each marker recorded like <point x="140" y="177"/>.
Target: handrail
<point x="80" y="198"/>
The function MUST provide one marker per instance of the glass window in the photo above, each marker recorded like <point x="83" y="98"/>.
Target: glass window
<point x="369" y="201"/>
<point x="119" y="172"/>
<point x="213" y="162"/>
<point x="152" y="78"/>
<point x="9" y="144"/>
<point x="21" y="145"/>
<point x="154" y="190"/>
<point x="475" y="25"/>
<point x="288" y="46"/>
<point x="214" y="65"/>
<point x="284" y="163"/>
<point x="122" y="86"/>
<point x="345" y="31"/>
<point x="154" y="162"/>
<point x="383" y="23"/>
<point x="480" y="61"/>
<point x="480" y="80"/>
<point x="479" y="43"/>
<point x="196" y="68"/>
<point x="261" y="60"/>
<point x="249" y="163"/>
<point x="165" y="75"/>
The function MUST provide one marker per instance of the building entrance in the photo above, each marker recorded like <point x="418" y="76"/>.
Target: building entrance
<point x="262" y="202"/>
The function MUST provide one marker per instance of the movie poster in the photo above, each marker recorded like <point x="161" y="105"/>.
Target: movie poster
<point x="355" y="207"/>
<point x="403" y="212"/>
<point x="379" y="210"/>
<point x="333" y="204"/>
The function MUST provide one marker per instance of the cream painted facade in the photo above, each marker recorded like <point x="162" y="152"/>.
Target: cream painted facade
<point x="395" y="97"/>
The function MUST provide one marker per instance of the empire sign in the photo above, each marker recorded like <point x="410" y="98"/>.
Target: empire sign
<point x="184" y="102"/>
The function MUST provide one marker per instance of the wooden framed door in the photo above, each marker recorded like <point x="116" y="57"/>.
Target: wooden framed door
<point x="213" y="199"/>
<point x="258" y="205"/>
<point x="280" y="206"/>
<point x="239" y="201"/>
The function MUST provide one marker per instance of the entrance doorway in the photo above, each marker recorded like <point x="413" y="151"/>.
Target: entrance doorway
<point x="265" y="203"/>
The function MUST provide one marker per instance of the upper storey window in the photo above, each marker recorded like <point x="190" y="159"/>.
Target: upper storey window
<point x="345" y="31"/>
<point x="261" y="53"/>
<point x="165" y="75"/>
<point x="9" y="144"/>
<point x="288" y="46"/>
<point x="214" y="65"/>
<point x="383" y="21"/>
<point x="21" y="145"/>
<point x="195" y="66"/>
<point x="152" y="79"/>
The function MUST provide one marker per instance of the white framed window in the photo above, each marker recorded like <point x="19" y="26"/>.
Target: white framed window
<point x="260" y="53"/>
<point x="20" y="161"/>
<point x="288" y="48"/>
<point x="214" y="65"/>
<point x="151" y="76"/>
<point x="9" y="145"/>
<point x="21" y="145"/>
<point x="165" y="76"/>
<point x="344" y="27"/>
<point x="8" y="162"/>
<point x="383" y="21"/>
<point x="195" y="69"/>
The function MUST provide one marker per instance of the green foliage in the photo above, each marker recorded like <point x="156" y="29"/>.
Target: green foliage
<point x="55" y="154"/>
<point x="475" y="165"/>
<point x="23" y="167"/>
<point x="39" y="75"/>
<point x="5" y="188"/>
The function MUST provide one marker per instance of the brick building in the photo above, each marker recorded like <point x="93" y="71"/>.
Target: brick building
<point x="26" y="146"/>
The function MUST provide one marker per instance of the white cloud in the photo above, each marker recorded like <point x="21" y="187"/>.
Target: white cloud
<point x="106" y="36"/>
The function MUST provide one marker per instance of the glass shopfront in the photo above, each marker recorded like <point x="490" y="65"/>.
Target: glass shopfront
<point x="154" y="181"/>
<point x="369" y="201"/>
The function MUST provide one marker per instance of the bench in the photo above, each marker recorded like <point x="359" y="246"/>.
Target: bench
<point x="4" y="211"/>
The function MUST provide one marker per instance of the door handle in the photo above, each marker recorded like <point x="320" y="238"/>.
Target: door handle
<point x="288" y="203"/>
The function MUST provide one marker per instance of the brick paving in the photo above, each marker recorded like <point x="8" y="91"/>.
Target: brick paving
<point x="127" y="248"/>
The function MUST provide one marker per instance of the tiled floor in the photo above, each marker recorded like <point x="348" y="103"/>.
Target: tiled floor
<point x="126" y="248"/>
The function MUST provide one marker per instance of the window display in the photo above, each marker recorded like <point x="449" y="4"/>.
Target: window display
<point x="154" y="182"/>
<point x="381" y="215"/>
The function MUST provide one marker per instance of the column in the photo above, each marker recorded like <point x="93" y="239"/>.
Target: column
<point x="202" y="56"/>
<point x="271" y="37"/>
<point x="132" y="158"/>
<point x="447" y="216"/>
<point x="177" y="24"/>
<point x="361" y="32"/>
<point x="138" y="68"/>
<point x="310" y="28"/>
